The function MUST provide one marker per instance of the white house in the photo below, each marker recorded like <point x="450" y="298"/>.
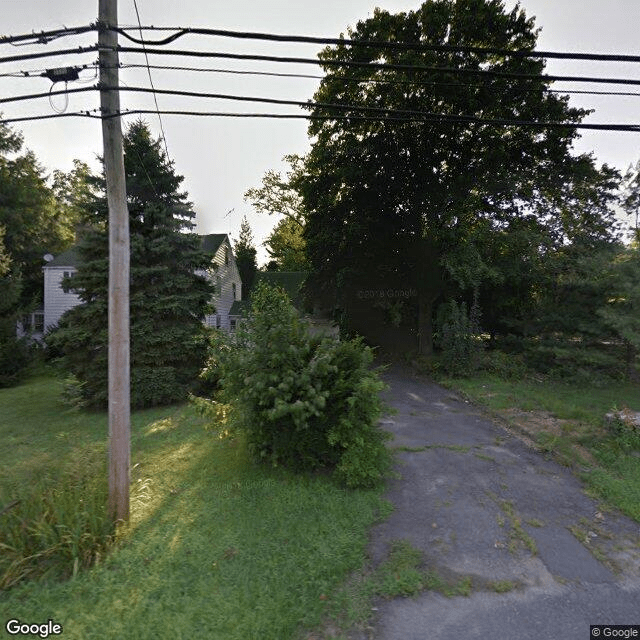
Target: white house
<point x="223" y="273"/>
<point x="56" y="300"/>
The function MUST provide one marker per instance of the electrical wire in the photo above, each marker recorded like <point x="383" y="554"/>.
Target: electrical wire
<point x="44" y="37"/>
<point x="46" y="94"/>
<point x="49" y="54"/>
<point x="38" y="73"/>
<point x="385" y="44"/>
<point x="421" y="118"/>
<point x="369" y="80"/>
<point x="379" y="66"/>
<point x="155" y="99"/>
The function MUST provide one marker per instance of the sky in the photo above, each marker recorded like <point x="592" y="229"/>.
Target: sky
<point x="221" y="158"/>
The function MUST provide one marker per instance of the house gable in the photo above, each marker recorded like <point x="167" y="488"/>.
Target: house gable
<point x="223" y="273"/>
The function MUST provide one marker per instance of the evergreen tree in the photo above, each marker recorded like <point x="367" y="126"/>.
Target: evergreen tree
<point x="246" y="257"/>
<point x="168" y="299"/>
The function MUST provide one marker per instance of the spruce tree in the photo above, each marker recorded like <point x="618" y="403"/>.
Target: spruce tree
<point x="168" y="297"/>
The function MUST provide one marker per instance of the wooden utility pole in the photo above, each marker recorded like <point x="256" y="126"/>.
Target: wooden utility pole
<point x="119" y="392"/>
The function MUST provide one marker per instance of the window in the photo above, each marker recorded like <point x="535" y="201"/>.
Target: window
<point x="233" y="287"/>
<point x="233" y="324"/>
<point x="226" y="256"/>
<point x="38" y="322"/>
<point x="218" y="321"/>
<point x="66" y="274"/>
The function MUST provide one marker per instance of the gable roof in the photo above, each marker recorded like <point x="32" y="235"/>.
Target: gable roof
<point x="211" y="242"/>
<point x="290" y="281"/>
<point x="69" y="258"/>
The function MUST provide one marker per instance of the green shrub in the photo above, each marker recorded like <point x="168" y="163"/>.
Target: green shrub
<point x="507" y="366"/>
<point x="625" y="431"/>
<point x="56" y="526"/>
<point x="304" y="402"/>
<point x="458" y="337"/>
<point x="16" y="354"/>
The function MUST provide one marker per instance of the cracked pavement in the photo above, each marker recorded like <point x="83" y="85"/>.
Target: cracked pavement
<point x="479" y="502"/>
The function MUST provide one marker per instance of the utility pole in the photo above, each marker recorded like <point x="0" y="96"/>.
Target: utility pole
<point x="119" y="392"/>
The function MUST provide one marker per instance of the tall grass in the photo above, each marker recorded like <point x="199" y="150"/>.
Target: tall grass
<point x="217" y="546"/>
<point x="56" y="526"/>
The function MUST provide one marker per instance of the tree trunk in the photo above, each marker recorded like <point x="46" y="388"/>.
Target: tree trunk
<point x="425" y="324"/>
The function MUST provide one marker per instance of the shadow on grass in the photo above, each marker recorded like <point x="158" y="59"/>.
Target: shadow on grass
<point x="217" y="547"/>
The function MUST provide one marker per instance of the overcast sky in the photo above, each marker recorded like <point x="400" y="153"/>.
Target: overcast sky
<point x="221" y="158"/>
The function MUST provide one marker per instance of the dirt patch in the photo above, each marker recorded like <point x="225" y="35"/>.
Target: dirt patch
<point x="533" y="424"/>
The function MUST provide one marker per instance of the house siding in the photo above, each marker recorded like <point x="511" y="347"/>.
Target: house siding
<point x="223" y="273"/>
<point x="224" y="276"/>
<point x="56" y="300"/>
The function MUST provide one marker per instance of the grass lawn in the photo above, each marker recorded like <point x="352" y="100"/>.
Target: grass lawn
<point x="568" y="421"/>
<point x="217" y="547"/>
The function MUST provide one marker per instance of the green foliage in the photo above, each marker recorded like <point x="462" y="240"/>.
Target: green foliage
<point x="168" y="299"/>
<point x="286" y="246"/>
<point x="15" y="353"/>
<point x="54" y="529"/>
<point x="304" y="403"/>
<point x="504" y="365"/>
<point x="35" y="223"/>
<point x="625" y="429"/>
<point x="262" y="544"/>
<point x="245" y="253"/>
<point x="433" y="205"/>
<point x="458" y="336"/>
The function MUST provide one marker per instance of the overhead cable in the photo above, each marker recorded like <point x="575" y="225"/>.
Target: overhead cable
<point x="434" y="118"/>
<point x="378" y="66"/>
<point x="368" y="80"/>
<point x="385" y="44"/>
<point x="44" y="37"/>
<point x="155" y="99"/>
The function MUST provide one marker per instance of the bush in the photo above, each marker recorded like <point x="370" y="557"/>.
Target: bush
<point x="304" y="402"/>
<point x="16" y="355"/>
<point x="54" y="528"/>
<point x="458" y="336"/>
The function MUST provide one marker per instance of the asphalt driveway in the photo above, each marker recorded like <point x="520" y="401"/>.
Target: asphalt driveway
<point x="480" y="503"/>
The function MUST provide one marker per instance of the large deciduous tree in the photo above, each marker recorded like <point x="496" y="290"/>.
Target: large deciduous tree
<point x="168" y="299"/>
<point x="392" y="202"/>
<point x="33" y="224"/>
<point x="278" y="195"/>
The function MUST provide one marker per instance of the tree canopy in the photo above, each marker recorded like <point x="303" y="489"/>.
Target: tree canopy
<point x="422" y="204"/>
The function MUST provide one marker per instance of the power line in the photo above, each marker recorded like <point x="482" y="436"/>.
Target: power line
<point x="416" y="114"/>
<point x="155" y="99"/>
<point x="44" y="37"/>
<point x="39" y="73"/>
<point x="369" y="80"/>
<point x="49" y="54"/>
<point x="412" y="46"/>
<point x="335" y="63"/>
<point x="46" y="94"/>
<point x="420" y="118"/>
<point x="380" y="66"/>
